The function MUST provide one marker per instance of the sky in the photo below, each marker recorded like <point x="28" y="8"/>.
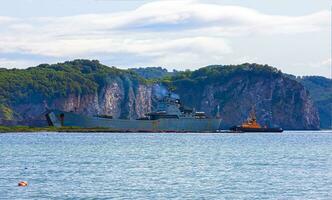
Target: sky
<point x="294" y="36"/>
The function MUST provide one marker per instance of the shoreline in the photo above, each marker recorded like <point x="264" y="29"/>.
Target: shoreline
<point x="15" y="129"/>
<point x="27" y="129"/>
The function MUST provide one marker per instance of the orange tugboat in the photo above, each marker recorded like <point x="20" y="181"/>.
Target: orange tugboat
<point x="251" y="125"/>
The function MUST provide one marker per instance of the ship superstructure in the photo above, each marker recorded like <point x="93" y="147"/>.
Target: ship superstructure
<point x="251" y="125"/>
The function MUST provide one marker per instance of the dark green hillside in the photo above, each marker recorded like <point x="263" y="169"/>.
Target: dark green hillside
<point x="221" y="74"/>
<point x="153" y="72"/>
<point x="320" y="89"/>
<point x="46" y="82"/>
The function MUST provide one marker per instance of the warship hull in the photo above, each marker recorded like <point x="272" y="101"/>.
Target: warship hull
<point x="59" y="118"/>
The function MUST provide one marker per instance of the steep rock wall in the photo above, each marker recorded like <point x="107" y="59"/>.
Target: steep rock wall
<point x="129" y="102"/>
<point x="278" y="101"/>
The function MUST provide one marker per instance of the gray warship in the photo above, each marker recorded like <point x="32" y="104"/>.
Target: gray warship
<point x="169" y="116"/>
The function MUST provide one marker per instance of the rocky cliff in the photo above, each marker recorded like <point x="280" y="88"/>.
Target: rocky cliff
<point x="278" y="100"/>
<point x="87" y="87"/>
<point x="320" y="89"/>
<point x="119" y="99"/>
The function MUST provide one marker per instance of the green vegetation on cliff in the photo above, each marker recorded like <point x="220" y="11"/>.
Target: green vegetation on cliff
<point x="153" y="72"/>
<point x="221" y="74"/>
<point x="46" y="82"/>
<point x="6" y="113"/>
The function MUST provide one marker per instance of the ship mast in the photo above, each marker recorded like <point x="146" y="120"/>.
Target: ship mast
<point x="252" y="114"/>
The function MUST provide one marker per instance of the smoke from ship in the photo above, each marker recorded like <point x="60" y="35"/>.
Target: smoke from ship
<point x="160" y="91"/>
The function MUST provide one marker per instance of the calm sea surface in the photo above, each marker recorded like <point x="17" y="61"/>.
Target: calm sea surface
<point x="291" y="165"/>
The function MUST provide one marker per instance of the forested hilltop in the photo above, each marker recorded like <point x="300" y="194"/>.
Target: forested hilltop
<point x="46" y="82"/>
<point x="90" y="88"/>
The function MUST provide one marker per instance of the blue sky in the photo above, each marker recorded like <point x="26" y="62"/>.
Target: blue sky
<point x="293" y="36"/>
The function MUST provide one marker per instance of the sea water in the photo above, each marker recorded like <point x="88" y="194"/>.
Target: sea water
<point x="289" y="165"/>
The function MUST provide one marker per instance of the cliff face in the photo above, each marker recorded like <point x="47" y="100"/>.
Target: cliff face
<point x="119" y="99"/>
<point x="83" y="86"/>
<point x="320" y="89"/>
<point x="278" y="100"/>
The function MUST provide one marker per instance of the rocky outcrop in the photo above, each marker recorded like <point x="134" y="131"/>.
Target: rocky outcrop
<point x="112" y="99"/>
<point x="278" y="100"/>
<point x="320" y="89"/>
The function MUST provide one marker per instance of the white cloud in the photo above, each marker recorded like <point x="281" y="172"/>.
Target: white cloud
<point x="320" y="68"/>
<point x="9" y="64"/>
<point x="326" y="62"/>
<point x="172" y="16"/>
<point x="165" y="32"/>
